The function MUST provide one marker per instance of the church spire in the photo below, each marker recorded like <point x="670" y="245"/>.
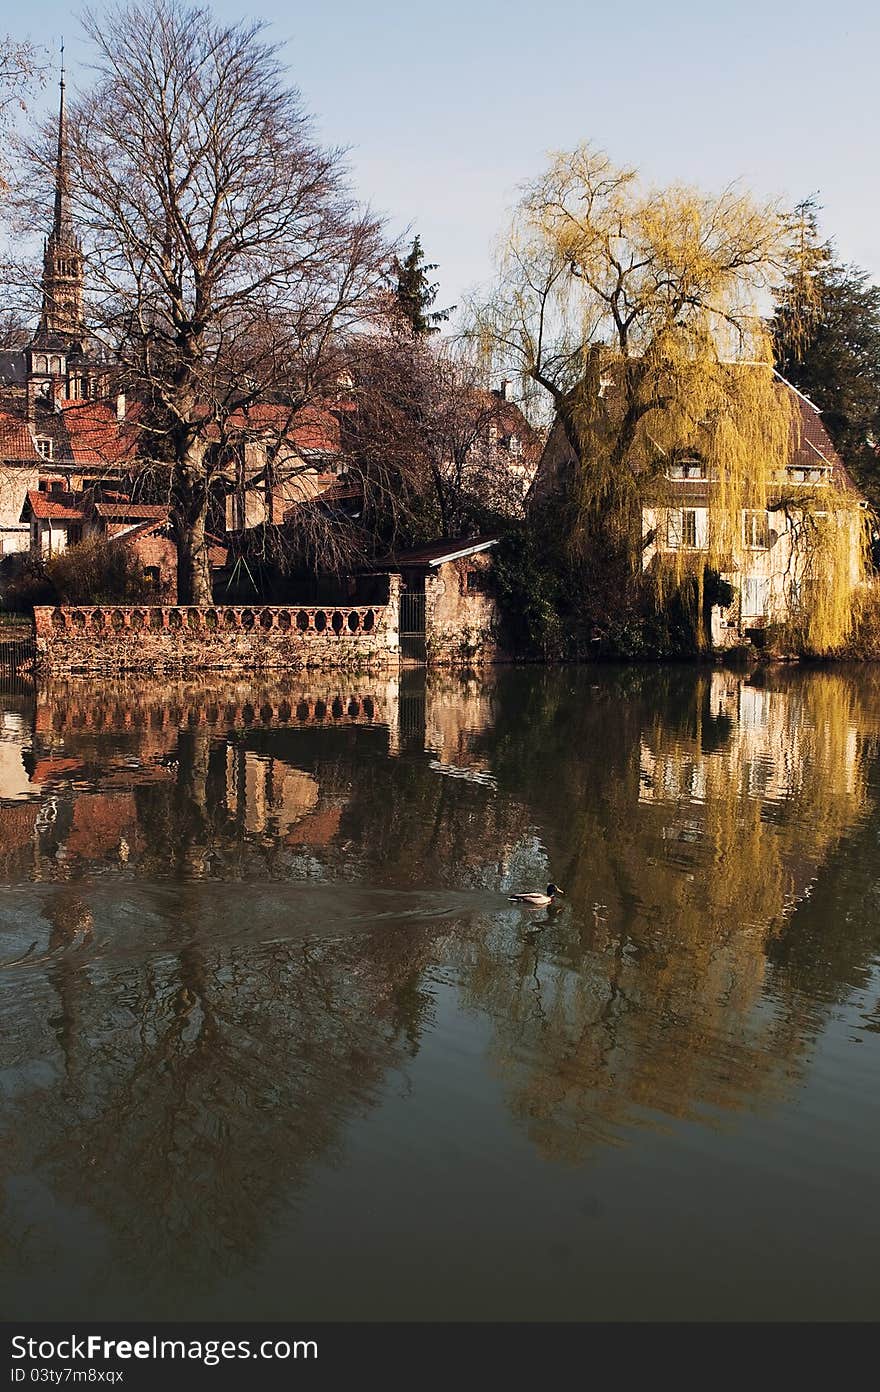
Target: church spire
<point x="62" y="183"/>
<point x="62" y="261"/>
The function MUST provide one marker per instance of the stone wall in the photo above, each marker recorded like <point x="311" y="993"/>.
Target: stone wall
<point x="461" y="615"/>
<point x="112" y="639"/>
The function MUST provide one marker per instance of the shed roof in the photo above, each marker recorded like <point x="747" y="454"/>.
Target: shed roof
<point x="437" y="553"/>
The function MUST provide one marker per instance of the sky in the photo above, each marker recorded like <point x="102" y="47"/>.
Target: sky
<point x="446" y="112"/>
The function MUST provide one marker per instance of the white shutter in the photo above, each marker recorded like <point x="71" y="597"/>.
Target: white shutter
<point x="702" y="521"/>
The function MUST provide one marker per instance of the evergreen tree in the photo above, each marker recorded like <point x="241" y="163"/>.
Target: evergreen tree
<point x="416" y="294"/>
<point x="826" y="332"/>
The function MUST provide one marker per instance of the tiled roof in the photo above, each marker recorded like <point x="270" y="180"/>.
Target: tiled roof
<point x="132" y="512"/>
<point x="312" y="428"/>
<point x="95" y="435"/>
<point x="16" y="441"/>
<point x="53" y="507"/>
<point x="509" y="420"/>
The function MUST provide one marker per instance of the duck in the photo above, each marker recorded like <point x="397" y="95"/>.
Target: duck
<point x="534" y="897"/>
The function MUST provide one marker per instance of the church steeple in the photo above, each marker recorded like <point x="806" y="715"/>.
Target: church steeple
<point x="62" y="313"/>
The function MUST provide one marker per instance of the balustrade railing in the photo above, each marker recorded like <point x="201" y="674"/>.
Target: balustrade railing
<point x="95" y="621"/>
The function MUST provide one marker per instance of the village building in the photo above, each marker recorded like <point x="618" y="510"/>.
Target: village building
<point x="769" y="560"/>
<point x="768" y="563"/>
<point x="56" y="421"/>
<point x="448" y="611"/>
<point x="58" y="518"/>
<point x="501" y="462"/>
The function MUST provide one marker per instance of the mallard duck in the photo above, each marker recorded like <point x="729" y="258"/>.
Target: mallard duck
<point x="535" y="899"/>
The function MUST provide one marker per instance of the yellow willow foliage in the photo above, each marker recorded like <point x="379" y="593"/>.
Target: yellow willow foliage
<point x="697" y="877"/>
<point x="830" y="550"/>
<point x="636" y="311"/>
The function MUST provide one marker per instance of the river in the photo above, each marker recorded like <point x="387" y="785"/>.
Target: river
<point x="274" y="1044"/>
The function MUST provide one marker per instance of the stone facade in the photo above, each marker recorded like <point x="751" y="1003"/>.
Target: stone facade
<point x="461" y="614"/>
<point x="114" y="639"/>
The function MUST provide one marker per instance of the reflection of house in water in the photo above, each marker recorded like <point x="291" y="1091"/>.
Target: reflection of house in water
<point x="767" y="748"/>
<point x="14" y="780"/>
<point x="263" y="793"/>
<point x="458" y="713"/>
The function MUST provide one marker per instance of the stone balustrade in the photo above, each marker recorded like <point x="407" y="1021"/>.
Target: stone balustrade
<point x="108" y="621"/>
<point x="123" y="638"/>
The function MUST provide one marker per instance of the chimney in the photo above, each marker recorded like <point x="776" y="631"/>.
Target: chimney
<point x="120" y="406"/>
<point x="504" y="390"/>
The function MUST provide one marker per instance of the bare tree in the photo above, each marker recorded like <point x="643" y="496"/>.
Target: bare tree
<point x="22" y="70"/>
<point x="225" y="257"/>
<point x="428" y="407"/>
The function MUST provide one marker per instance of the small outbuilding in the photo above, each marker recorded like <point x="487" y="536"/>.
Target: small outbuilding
<point x="448" y="611"/>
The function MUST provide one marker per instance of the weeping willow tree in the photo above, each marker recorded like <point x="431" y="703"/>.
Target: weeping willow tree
<point x="634" y="314"/>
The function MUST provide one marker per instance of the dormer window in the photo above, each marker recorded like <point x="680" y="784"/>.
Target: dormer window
<point x="56" y="365"/>
<point x="684" y="469"/>
<point x="814" y="474"/>
<point x="43" y="447"/>
<point x="41" y="364"/>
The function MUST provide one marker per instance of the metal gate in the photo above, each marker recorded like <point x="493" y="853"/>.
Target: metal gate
<point x="412" y="625"/>
<point x="17" y="653"/>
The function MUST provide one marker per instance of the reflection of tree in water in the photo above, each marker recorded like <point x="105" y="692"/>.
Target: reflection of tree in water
<point x="195" y="1087"/>
<point x="649" y="1003"/>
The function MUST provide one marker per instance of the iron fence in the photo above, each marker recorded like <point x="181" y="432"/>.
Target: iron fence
<point x="17" y="653"/>
<point x="412" y="625"/>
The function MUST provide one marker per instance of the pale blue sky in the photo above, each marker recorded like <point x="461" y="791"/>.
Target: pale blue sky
<point x="446" y="110"/>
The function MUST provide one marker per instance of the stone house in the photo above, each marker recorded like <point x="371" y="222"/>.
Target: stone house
<point x="768" y="561"/>
<point x="448" y="612"/>
<point x="58" y="518"/>
<point x="767" y="565"/>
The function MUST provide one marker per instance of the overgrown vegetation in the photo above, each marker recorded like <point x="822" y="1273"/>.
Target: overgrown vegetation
<point x="826" y="341"/>
<point x="634" y="312"/>
<point x="95" y="571"/>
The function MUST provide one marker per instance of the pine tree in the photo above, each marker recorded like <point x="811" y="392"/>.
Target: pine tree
<point x="416" y="294"/>
<point x="826" y="334"/>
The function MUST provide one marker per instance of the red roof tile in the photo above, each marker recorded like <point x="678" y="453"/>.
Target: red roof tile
<point x="53" y="507"/>
<point x="132" y="512"/>
<point x="312" y="428"/>
<point x="16" y="441"/>
<point x="96" y="436"/>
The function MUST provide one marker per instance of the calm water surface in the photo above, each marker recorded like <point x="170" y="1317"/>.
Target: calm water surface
<point x="274" y="1044"/>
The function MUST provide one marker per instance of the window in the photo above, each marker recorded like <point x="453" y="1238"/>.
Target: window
<point x="43" y="447"/>
<point x="755" y="596"/>
<point x="819" y="474"/>
<point x="151" y="577"/>
<point x="686" y="469"/>
<point x="756" y="530"/>
<point x="476" y="582"/>
<point x="686" y="529"/>
<point x="74" y="535"/>
<point x="41" y="364"/>
<point x="56" y="365"/>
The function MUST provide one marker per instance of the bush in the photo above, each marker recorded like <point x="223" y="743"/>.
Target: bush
<point x="24" y="584"/>
<point x="98" y="571"/>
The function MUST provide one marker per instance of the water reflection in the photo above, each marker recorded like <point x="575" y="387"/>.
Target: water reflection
<point x="235" y="915"/>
